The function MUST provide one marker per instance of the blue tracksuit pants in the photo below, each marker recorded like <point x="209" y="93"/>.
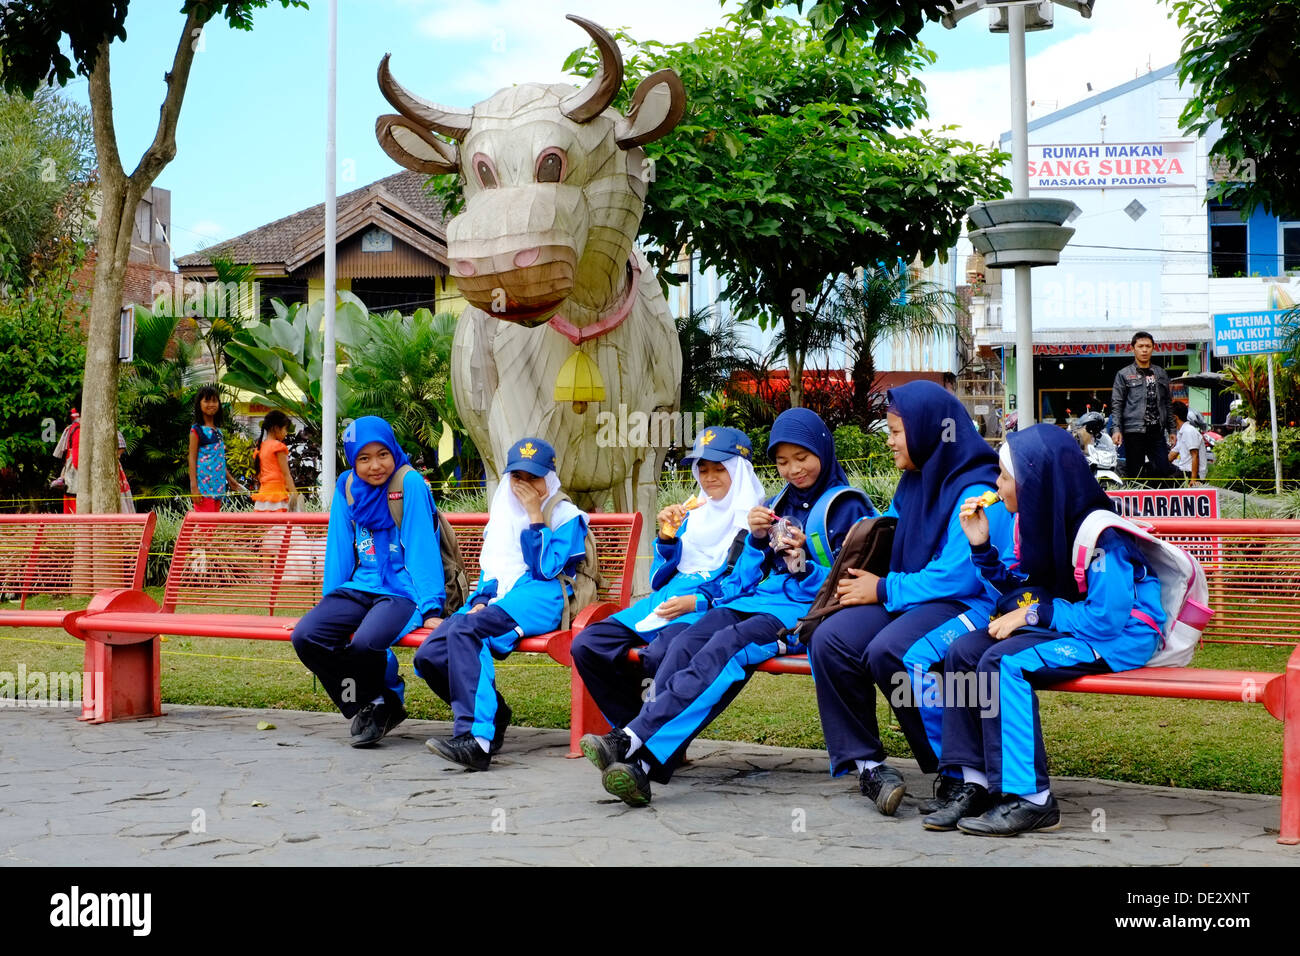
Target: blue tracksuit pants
<point x="346" y="641"/>
<point x="857" y="649"/>
<point x="617" y="685"/>
<point x="994" y="727"/>
<point x="457" y="662"/>
<point x="703" y="670"/>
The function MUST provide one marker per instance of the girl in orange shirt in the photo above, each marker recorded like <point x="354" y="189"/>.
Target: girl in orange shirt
<point x="276" y="491"/>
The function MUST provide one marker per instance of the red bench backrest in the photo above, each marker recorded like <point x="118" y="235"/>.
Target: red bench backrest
<point x="73" y="554"/>
<point x="273" y="563"/>
<point x="1253" y="567"/>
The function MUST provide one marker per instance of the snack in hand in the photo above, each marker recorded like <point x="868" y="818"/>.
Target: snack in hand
<point x="983" y="501"/>
<point x="668" y="529"/>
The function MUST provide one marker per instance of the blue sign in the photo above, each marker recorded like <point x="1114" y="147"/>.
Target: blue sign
<point x="1248" y="333"/>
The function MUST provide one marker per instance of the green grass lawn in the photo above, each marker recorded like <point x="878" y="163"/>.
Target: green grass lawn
<point x="1204" y="744"/>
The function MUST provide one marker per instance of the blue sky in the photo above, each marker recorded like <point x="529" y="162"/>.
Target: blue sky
<point x="251" y="139"/>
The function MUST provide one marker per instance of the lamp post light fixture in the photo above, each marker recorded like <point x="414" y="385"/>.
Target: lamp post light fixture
<point x="1017" y="233"/>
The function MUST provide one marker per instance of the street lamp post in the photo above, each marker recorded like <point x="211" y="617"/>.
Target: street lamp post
<point x="1019" y="233"/>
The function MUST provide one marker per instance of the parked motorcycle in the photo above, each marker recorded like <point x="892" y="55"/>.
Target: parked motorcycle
<point x="1102" y="456"/>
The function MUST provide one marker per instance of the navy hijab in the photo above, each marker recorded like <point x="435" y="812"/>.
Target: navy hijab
<point x="804" y="427"/>
<point x="369" y="506"/>
<point x="1055" y="491"/>
<point x="950" y="455"/>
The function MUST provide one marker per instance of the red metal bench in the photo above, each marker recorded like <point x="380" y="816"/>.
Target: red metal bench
<point x="73" y="556"/>
<point x="1254" y="573"/>
<point x="267" y="570"/>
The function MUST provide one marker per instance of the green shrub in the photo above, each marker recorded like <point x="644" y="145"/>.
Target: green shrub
<point x="1239" y="463"/>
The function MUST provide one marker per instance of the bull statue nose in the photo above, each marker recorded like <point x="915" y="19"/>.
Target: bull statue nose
<point x="465" y="268"/>
<point x="527" y="257"/>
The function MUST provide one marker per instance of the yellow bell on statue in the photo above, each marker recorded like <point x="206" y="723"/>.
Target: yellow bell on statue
<point x="579" y="382"/>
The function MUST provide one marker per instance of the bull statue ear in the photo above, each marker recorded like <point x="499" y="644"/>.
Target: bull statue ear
<point x="415" y="148"/>
<point x="657" y="107"/>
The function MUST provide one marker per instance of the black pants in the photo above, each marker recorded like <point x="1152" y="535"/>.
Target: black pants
<point x="345" y="639"/>
<point x="1140" y="447"/>
<point x="617" y="685"/>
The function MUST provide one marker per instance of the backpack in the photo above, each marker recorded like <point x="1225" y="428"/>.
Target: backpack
<point x="1183" y="587"/>
<point x="587" y="581"/>
<point x="867" y="546"/>
<point x="454" y="580"/>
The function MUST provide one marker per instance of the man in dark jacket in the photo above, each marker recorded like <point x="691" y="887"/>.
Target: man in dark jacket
<point x="1144" y="425"/>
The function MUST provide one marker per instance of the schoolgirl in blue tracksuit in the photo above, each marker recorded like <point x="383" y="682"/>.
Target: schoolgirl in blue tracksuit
<point x="519" y="595"/>
<point x="901" y="624"/>
<point x="1050" y="630"/>
<point x="696" y="554"/>
<point x="380" y="582"/>
<point x="710" y="662"/>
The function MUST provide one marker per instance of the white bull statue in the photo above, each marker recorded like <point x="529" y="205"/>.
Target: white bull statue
<point x="555" y="185"/>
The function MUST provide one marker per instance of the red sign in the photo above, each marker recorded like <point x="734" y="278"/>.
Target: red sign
<point x="1166" y="503"/>
<point x="1105" y="348"/>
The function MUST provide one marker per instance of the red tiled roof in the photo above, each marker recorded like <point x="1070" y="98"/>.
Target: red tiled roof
<point x="276" y="241"/>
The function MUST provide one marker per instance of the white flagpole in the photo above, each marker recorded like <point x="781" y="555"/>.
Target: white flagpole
<point x="329" y="408"/>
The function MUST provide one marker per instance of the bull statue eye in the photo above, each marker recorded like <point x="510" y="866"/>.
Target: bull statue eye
<point x="550" y="166"/>
<point x="485" y="171"/>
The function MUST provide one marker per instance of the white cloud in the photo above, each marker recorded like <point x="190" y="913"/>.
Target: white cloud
<point x="518" y="41"/>
<point x="1120" y="42"/>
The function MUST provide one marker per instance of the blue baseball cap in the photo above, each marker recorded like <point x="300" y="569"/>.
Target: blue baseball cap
<point x="718" y="443"/>
<point x="531" y="455"/>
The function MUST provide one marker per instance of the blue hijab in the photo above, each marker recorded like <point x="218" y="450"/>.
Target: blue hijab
<point x="950" y="455"/>
<point x="1055" y="491"/>
<point x="369" y="506"/>
<point x="804" y="427"/>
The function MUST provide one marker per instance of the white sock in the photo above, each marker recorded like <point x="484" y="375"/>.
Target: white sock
<point x="644" y="765"/>
<point x="484" y="743"/>
<point x="971" y="775"/>
<point x="867" y="764"/>
<point x="634" y="742"/>
<point x="1038" y="799"/>
<point x="378" y="700"/>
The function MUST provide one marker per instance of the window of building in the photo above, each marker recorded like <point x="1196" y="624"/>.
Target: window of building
<point x="1290" y="245"/>
<point x="1228" y="243"/>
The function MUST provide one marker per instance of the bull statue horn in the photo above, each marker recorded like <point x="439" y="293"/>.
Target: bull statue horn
<point x="591" y="100"/>
<point x="447" y="120"/>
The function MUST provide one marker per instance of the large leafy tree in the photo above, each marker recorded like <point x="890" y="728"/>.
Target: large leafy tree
<point x="33" y="35"/>
<point x="47" y="163"/>
<point x="890" y="25"/>
<point x="712" y="352"/>
<point x="793" y="165"/>
<point x="1240" y="57"/>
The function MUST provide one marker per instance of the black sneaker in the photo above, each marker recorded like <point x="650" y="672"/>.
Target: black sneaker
<point x="361" y="718"/>
<point x="503" y="718"/>
<point x="603" y="751"/>
<point x="1012" y="815"/>
<point x="964" y="800"/>
<point x="463" y="750"/>
<point x="944" y="786"/>
<point x="628" y="782"/>
<point x="884" y="785"/>
<point x="376" y="721"/>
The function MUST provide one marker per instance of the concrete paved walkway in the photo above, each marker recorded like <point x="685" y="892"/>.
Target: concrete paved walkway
<point x="204" y="786"/>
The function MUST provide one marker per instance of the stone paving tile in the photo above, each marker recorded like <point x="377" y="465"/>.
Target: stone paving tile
<point x="127" y="794"/>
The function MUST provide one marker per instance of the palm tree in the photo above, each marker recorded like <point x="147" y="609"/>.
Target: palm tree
<point x="711" y="354"/>
<point x="402" y="373"/>
<point x="887" y="301"/>
<point x="1248" y="379"/>
<point x="883" y="301"/>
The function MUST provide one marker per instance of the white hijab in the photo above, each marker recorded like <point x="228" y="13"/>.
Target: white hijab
<point x="502" y="558"/>
<point x="710" y="528"/>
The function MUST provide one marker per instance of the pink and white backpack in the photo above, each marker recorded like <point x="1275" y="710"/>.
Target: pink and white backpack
<point x="1184" y="592"/>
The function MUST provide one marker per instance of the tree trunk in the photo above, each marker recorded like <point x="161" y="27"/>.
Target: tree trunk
<point x="864" y="377"/>
<point x="97" y="488"/>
